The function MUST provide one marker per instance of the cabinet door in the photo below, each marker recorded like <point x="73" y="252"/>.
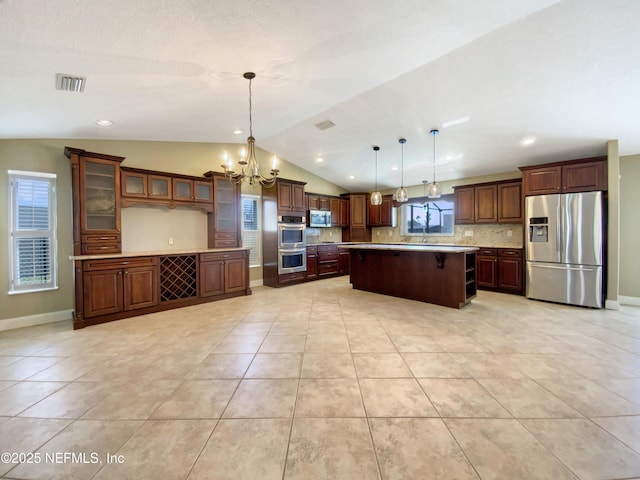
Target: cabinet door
<point x="297" y="196"/>
<point x="235" y="278"/>
<point x="159" y="187"/>
<point x="334" y="207"/>
<point x="202" y="191"/>
<point x="344" y="212"/>
<point x="100" y="196"/>
<point x="486" y="204"/>
<point x="183" y="189"/>
<point x="487" y="271"/>
<point x="464" y="205"/>
<point x="285" y="196"/>
<point x="211" y="278"/>
<point x="510" y="202"/>
<point x="102" y="292"/>
<point x="133" y="184"/>
<point x="226" y="204"/>
<point x="314" y="202"/>
<point x="343" y="262"/>
<point x="386" y="211"/>
<point x="373" y="213"/>
<point x="141" y="287"/>
<point x="358" y="210"/>
<point x="584" y="177"/>
<point x="324" y="204"/>
<point x="543" y="180"/>
<point x="510" y="273"/>
<point x="312" y="265"/>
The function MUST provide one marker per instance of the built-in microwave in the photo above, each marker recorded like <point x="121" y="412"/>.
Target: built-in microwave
<point x="319" y="218"/>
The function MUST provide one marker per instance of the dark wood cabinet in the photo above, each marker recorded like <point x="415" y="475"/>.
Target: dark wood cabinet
<point x="343" y="262"/>
<point x="380" y="215"/>
<point x="344" y="212"/>
<point x="312" y="262"/>
<point x="222" y="273"/>
<point x="493" y="202"/>
<point x="486" y="204"/>
<point x="133" y="184"/>
<point x="500" y="269"/>
<point x="313" y="202"/>
<point x="95" y="180"/>
<point x="327" y="260"/>
<point x="334" y="208"/>
<point x="119" y="285"/>
<point x="159" y="187"/>
<point x="580" y="175"/>
<point x="183" y="190"/>
<point x="224" y="222"/>
<point x="510" y="204"/>
<point x="358" y="230"/>
<point x="290" y="196"/>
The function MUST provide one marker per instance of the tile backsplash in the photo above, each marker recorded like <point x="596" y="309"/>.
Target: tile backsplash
<point x="494" y="235"/>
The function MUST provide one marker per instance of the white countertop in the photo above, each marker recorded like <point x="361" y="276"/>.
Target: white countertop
<point x="410" y="247"/>
<point x="155" y="253"/>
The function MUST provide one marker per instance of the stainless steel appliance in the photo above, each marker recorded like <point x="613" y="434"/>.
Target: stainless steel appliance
<point x="564" y="248"/>
<point x="319" y="218"/>
<point x="292" y="243"/>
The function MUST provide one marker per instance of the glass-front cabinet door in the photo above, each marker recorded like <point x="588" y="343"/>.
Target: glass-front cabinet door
<point x="226" y="209"/>
<point x="101" y="206"/>
<point x="133" y="184"/>
<point x="203" y="191"/>
<point x="183" y="189"/>
<point x="159" y="187"/>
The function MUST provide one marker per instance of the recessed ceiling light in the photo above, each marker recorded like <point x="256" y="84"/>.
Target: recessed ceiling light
<point x="526" y="141"/>
<point x="457" y="121"/>
<point x="352" y="177"/>
<point x="104" y="123"/>
<point x="238" y="132"/>
<point x="319" y="159"/>
<point x="457" y="156"/>
<point x="394" y="168"/>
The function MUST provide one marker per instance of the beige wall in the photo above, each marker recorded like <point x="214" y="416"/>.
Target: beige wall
<point x="629" y="226"/>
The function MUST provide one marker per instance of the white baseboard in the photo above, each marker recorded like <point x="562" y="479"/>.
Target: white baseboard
<point x="38" y="319"/>
<point x="612" y="304"/>
<point x="624" y="300"/>
<point x="255" y="283"/>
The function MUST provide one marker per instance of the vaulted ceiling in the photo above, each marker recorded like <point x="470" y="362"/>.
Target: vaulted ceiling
<point x="566" y="73"/>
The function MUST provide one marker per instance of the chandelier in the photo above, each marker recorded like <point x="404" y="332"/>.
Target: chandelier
<point x="434" y="190"/>
<point x="249" y="170"/>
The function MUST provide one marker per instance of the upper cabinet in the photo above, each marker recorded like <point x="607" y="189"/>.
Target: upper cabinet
<point x="290" y="197"/>
<point x="582" y="175"/>
<point x="96" y="201"/>
<point x="226" y="216"/>
<point x="381" y="215"/>
<point x="495" y="202"/>
<point x="160" y="188"/>
<point x="358" y="230"/>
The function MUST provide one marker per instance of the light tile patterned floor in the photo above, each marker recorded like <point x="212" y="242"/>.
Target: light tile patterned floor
<point x="320" y="381"/>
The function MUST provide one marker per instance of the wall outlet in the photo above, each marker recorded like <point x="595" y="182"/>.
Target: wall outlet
<point x="390" y="233"/>
<point x="509" y="234"/>
<point x="170" y="240"/>
<point x="331" y="234"/>
<point x="378" y="233"/>
<point x="468" y="233"/>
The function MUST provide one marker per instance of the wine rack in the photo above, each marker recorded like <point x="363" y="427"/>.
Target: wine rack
<point x="178" y="277"/>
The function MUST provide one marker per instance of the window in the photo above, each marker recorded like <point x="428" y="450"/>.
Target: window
<point x="430" y="216"/>
<point x="251" y="228"/>
<point x="32" y="226"/>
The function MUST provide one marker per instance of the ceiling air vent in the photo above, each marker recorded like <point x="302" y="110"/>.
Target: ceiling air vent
<point x="325" y="124"/>
<point x="70" y="83"/>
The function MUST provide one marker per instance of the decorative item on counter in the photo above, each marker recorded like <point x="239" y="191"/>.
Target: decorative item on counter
<point x="250" y="170"/>
<point x="434" y="188"/>
<point x="401" y="194"/>
<point x="376" y="196"/>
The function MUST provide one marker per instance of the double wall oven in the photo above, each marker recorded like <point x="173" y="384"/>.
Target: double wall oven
<point x="292" y="243"/>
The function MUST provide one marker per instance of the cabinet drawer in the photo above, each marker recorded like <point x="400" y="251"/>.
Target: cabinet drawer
<point x="312" y="249"/>
<point x="516" y="252"/>
<point x="119" y="263"/>
<point x="327" y="256"/>
<point x="108" y="238"/>
<point x="225" y="235"/>
<point x="488" y="252"/>
<point x="225" y="243"/>
<point x="92" y="248"/>
<point x="217" y="256"/>
<point x="328" y="268"/>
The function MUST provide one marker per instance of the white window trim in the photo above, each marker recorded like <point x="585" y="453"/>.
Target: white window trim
<point x="258" y="199"/>
<point x="53" y="285"/>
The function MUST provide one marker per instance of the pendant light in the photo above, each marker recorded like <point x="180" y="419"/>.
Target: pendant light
<point x="376" y="196"/>
<point x="434" y="188"/>
<point x="401" y="194"/>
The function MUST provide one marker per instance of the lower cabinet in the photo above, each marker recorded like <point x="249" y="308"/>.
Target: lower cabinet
<point x="500" y="269"/>
<point x="222" y="273"/>
<point x="326" y="260"/>
<point x="312" y="262"/>
<point x="343" y="262"/>
<point x="113" y="286"/>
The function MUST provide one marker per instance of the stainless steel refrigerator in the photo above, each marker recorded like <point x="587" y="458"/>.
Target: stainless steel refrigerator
<point x="565" y="248"/>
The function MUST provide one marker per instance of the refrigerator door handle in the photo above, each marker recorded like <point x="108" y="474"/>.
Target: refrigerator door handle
<point x="559" y="228"/>
<point x="553" y="267"/>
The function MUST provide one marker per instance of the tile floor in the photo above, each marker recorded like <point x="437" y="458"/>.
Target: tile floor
<point x="322" y="381"/>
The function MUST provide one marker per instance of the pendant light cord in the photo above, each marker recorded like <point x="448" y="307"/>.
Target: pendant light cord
<point x="250" y="111"/>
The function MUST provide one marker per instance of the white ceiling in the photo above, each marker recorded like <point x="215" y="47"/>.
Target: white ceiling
<point x="566" y="72"/>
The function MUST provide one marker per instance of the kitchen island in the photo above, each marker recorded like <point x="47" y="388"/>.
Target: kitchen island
<point x="443" y="275"/>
